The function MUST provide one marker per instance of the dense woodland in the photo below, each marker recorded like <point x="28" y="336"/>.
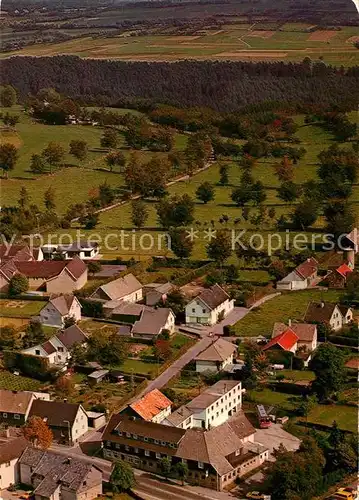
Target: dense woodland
<point x="223" y="86"/>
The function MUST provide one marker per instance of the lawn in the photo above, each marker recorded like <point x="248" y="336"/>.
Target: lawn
<point x="345" y="416"/>
<point x="13" y="382"/>
<point x="267" y="397"/>
<point x="298" y="375"/>
<point x="20" y="308"/>
<point x="139" y="367"/>
<point x="288" y="305"/>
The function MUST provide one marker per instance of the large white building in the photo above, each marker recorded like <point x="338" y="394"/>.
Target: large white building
<point x="209" y="307"/>
<point x="211" y="408"/>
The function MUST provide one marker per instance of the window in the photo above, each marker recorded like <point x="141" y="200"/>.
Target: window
<point x="136" y="450"/>
<point x="204" y="311"/>
<point x="147" y="453"/>
<point x="237" y="452"/>
<point x="117" y="446"/>
<point x="4" y="415"/>
<point x="145" y="438"/>
<point x="128" y="434"/>
<point x="158" y="455"/>
<point x="17" y="416"/>
<point x="200" y="465"/>
<point x="134" y="436"/>
<point x="156" y="441"/>
<point x="193" y="310"/>
<point x="37" y="352"/>
<point x="184" y="461"/>
<point x="127" y="448"/>
<point x="60" y="349"/>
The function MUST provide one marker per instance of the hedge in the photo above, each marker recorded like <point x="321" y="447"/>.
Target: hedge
<point x="195" y="273"/>
<point x="32" y="366"/>
<point x="339" y="339"/>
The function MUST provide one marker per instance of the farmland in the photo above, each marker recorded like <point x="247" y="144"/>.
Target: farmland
<point x="237" y="42"/>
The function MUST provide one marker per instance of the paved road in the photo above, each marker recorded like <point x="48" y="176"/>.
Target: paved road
<point x="177" y="366"/>
<point x="153" y="488"/>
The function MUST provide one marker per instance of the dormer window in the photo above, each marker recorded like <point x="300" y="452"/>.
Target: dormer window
<point x="238" y="452"/>
<point x="134" y="436"/>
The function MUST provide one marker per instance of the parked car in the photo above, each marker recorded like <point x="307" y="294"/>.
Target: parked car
<point x="256" y="495"/>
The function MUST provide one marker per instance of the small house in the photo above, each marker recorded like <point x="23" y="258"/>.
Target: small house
<point x="68" y="422"/>
<point x="60" y="308"/>
<point x="216" y="357"/>
<point x="337" y="277"/>
<point x="307" y="333"/>
<point x="152" y="407"/>
<point x="209" y="307"/>
<point x="128" y="289"/>
<point x="97" y="376"/>
<point x="285" y="341"/>
<point x="301" y="277"/>
<point x="15" y="407"/>
<point x="156" y="292"/>
<point x="328" y="313"/>
<point x="10" y="451"/>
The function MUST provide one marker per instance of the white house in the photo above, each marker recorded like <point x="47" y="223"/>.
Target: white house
<point x="10" y="451"/>
<point x="328" y="313"/>
<point x="58" y="309"/>
<point x="85" y="250"/>
<point x="216" y="357"/>
<point x="301" y="277"/>
<point x="211" y="408"/>
<point x="58" y="348"/>
<point x="127" y="289"/>
<point x="153" y="321"/>
<point x="212" y="305"/>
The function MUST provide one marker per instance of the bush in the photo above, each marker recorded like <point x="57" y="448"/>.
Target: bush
<point x="32" y="366"/>
<point x="91" y="308"/>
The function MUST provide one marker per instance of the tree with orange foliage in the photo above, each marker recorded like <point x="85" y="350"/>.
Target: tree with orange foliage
<point x="284" y="170"/>
<point x="162" y="349"/>
<point x="37" y="432"/>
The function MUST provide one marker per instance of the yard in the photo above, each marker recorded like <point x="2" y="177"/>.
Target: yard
<point x="345" y="416"/>
<point x="12" y="308"/>
<point x="288" y="305"/>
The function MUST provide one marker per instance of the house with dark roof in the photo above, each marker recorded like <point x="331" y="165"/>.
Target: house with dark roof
<point x="307" y="333"/>
<point x="67" y="421"/>
<point x="127" y="289"/>
<point x="53" y="475"/>
<point x="15" y="407"/>
<point x="301" y="277"/>
<point x="155" y="293"/>
<point x="215" y="457"/>
<point x="51" y="276"/>
<point x="216" y="357"/>
<point x="11" y="449"/>
<point x="328" y="313"/>
<point x="337" y="276"/>
<point x="58" y="309"/>
<point x="153" y="407"/>
<point x="85" y="250"/>
<point x="210" y="306"/>
<point x="57" y="350"/>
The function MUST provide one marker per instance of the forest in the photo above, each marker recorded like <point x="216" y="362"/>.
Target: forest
<point x="223" y="86"/>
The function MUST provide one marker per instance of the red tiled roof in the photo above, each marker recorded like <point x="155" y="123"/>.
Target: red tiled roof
<point x="344" y="269"/>
<point x="41" y="269"/>
<point x="76" y="267"/>
<point x="151" y="404"/>
<point x="307" y="268"/>
<point x="285" y="340"/>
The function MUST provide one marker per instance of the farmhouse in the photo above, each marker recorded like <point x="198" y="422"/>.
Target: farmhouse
<point x="301" y="277"/>
<point x="10" y="451"/>
<point x="152" y="407"/>
<point x="212" y="407"/>
<point x="209" y="307"/>
<point x="54" y="476"/>
<point x="215" y="457"/>
<point x="52" y="276"/>
<point x="58" y="309"/>
<point x="127" y="289"/>
<point x="307" y="333"/>
<point x="337" y="277"/>
<point x="15" y="407"/>
<point x="57" y="350"/>
<point x="68" y="422"/>
<point x="156" y="292"/>
<point x="216" y="357"/>
<point x="328" y="313"/>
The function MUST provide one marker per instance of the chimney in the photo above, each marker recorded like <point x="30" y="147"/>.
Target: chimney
<point x="289" y="322"/>
<point x="322" y="304"/>
<point x="65" y="400"/>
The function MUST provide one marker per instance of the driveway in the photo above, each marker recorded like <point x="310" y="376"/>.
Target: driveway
<point x="232" y="318"/>
<point x="275" y="435"/>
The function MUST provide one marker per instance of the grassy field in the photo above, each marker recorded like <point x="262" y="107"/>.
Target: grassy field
<point x="291" y="305"/>
<point x="32" y="137"/>
<point x="20" y="308"/>
<point x="345" y="416"/>
<point x="291" y="42"/>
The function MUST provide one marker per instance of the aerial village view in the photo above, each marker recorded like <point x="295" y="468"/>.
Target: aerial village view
<point x="179" y="254"/>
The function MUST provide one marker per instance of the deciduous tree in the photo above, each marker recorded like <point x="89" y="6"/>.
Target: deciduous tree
<point x="18" y="284"/>
<point x="8" y="96"/>
<point x="53" y="154"/>
<point x="8" y="157"/>
<point x="79" y="149"/>
<point x="139" y="213"/>
<point x="205" y="192"/>
<point x="37" y="432"/>
<point x="122" y="477"/>
<point x="220" y="248"/>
